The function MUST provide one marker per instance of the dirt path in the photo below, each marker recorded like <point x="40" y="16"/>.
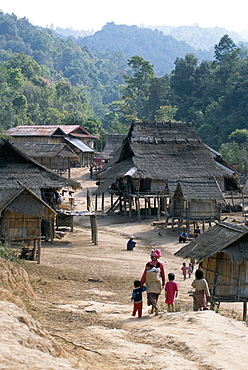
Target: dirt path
<point x="83" y="299"/>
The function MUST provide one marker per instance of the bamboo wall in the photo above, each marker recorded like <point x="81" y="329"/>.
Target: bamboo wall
<point x="228" y="281"/>
<point x="15" y="226"/>
<point x="195" y="209"/>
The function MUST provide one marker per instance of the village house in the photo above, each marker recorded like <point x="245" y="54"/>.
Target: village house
<point x="197" y="200"/>
<point x="113" y="142"/>
<point x="222" y="254"/>
<point x="18" y="171"/>
<point x="75" y="136"/>
<point x="23" y="218"/>
<point x="58" y="157"/>
<point x="145" y="170"/>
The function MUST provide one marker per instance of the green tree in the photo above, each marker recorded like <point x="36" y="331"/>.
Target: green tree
<point x="166" y="113"/>
<point x="137" y="90"/>
<point x="239" y="136"/>
<point x="226" y="50"/>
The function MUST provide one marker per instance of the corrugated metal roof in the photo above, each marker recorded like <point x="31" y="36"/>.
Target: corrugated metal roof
<point x="80" y="145"/>
<point x="33" y="131"/>
<point x="49" y="130"/>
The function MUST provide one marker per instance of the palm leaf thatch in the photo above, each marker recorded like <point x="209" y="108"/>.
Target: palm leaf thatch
<point x="229" y="238"/>
<point x="17" y="168"/>
<point x="167" y="151"/>
<point x="42" y="150"/>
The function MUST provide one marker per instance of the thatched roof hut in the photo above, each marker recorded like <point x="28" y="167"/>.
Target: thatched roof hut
<point x="22" y="213"/>
<point x="165" y="151"/>
<point x="17" y="169"/>
<point x="41" y="150"/>
<point x="197" y="200"/>
<point x="154" y="156"/>
<point x="222" y="252"/>
<point x="113" y="142"/>
<point x="57" y="157"/>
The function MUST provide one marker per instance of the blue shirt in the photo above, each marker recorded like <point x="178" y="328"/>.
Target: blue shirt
<point x="137" y="294"/>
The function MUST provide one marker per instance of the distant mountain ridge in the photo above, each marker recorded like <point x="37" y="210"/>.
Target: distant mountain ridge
<point x="201" y="38"/>
<point x="152" y="45"/>
<point x="198" y="37"/>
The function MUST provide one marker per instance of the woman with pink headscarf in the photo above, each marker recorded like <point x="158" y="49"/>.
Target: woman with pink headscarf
<point x="153" y="296"/>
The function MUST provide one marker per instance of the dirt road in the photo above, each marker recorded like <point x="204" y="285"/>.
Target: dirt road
<point x="83" y="299"/>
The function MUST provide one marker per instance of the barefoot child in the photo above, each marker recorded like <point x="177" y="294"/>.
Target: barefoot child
<point x="137" y="298"/>
<point x="171" y="292"/>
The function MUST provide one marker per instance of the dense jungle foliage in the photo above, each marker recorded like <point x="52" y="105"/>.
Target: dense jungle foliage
<point x="46" y="79"/>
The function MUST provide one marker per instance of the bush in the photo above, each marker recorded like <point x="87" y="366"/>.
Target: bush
<point x="8" y="254"/>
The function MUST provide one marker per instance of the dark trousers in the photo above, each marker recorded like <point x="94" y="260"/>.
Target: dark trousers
<point x="137" y="307"/>
<point x="182" y="239"/>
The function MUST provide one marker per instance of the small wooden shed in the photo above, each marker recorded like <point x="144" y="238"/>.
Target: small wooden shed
<point x="222" y="254"/>
<point x="198" y="200"/>
<point x="22" y="213"/>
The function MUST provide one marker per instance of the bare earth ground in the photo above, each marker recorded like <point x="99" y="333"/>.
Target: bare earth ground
<point x="82" y="303"/>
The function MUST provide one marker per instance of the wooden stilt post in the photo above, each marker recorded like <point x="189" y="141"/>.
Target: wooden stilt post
<point x="125" y="204"/>
<point x="51" y="228"/>
<point x="120" y="204"/>
<point x="88" y="200"/>
<point x="94" y="234"/>
<point x="39" y="251"/>
<point x="244" y="310"/>
<point x="96" y="203"/>
<point x="149" y="207"/>
<point x="158" y="211"/>
<point x="102" y="201"/>
<point x="111" y="200"/>
<point x="35" y="249"/>
<point x="138" y="209"/>
<point x="130" y="206"/>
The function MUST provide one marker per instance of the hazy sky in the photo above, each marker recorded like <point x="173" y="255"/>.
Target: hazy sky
<point x="93" y="14"/>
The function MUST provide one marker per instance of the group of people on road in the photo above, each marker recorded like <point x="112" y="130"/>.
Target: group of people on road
<point x="153" y="282"/>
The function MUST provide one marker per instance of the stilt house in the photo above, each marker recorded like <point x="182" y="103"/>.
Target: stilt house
<point x="222" y="254"/>
<point x="197" y="200"/>
<point x="151" y="160"/>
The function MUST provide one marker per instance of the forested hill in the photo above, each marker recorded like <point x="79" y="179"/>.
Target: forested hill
<point x="107" y="80"/>
<point x="152" y="45"/>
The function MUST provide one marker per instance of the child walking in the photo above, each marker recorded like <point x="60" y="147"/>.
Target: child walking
<point x="184" y="270"/>
<point x="171" y="292"/>
<point x="201" y="292"/>
<point x="137" y="298"/>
